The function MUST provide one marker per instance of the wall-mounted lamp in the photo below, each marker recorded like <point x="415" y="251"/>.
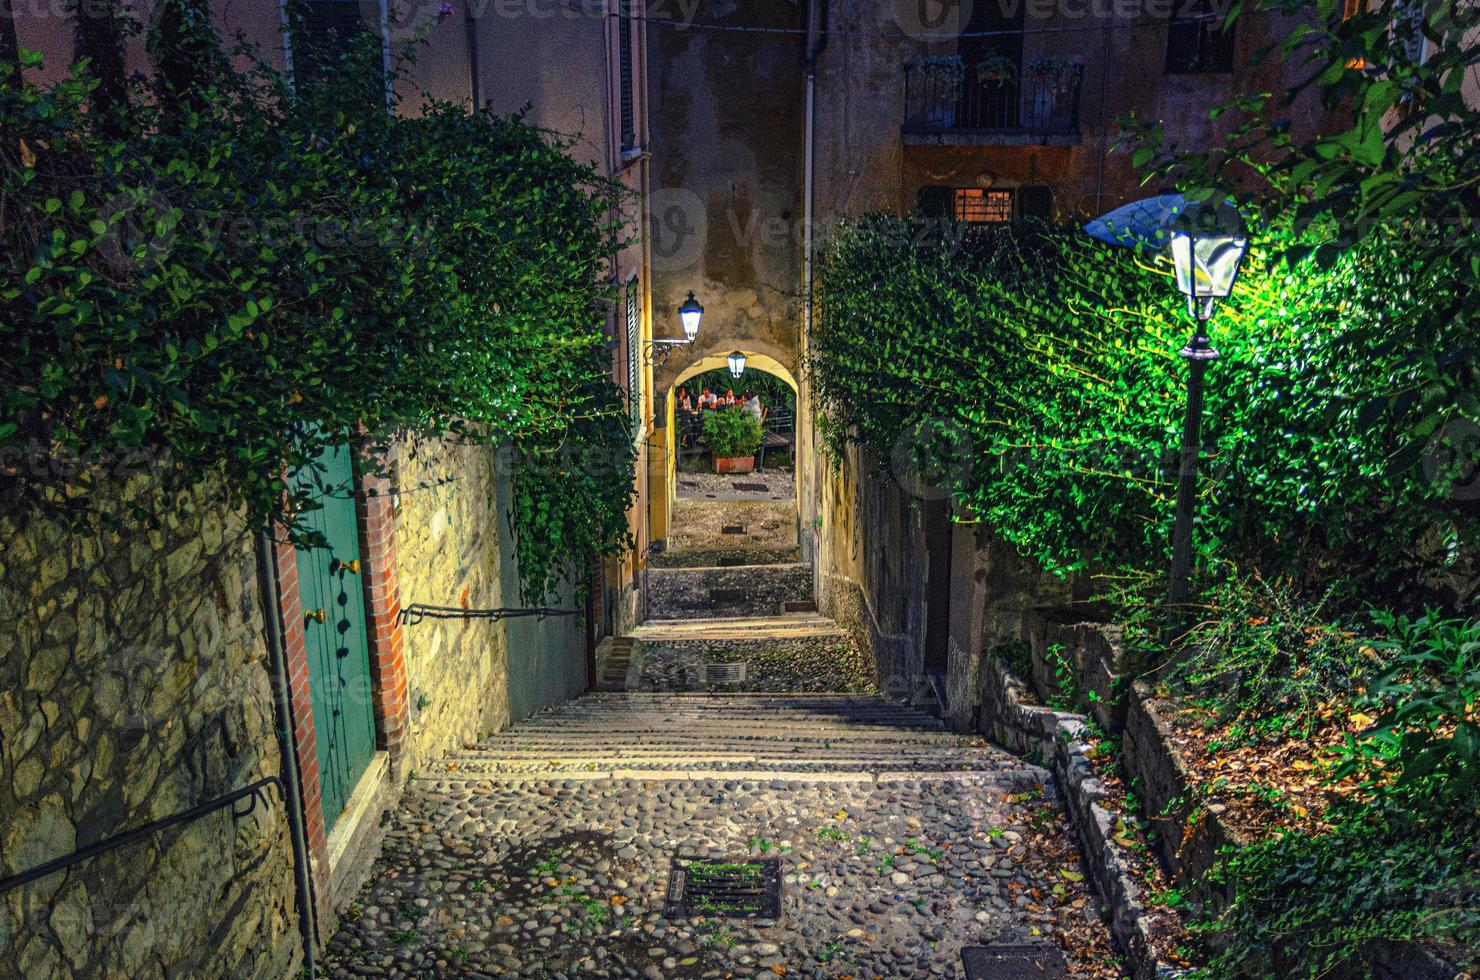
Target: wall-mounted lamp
<point x="659" y="349"/>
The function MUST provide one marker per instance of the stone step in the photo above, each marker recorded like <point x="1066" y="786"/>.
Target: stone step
<point x="789" y="626"/>
<point x="747" y="590"/>
<point x="984" y="778"/>
<point x="767" y="763"/>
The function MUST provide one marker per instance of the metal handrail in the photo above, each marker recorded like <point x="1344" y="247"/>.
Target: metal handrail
<point x="251" y="793"/>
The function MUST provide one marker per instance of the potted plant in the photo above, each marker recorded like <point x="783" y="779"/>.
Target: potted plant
<point x="996" y="69"/>
<point x="942" y="75"/>
<point x="733" y="438"/>
<point x="1050" y="75"/>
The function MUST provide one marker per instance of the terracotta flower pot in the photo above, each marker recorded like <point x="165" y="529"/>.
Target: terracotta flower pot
<point x="734" y="464"/>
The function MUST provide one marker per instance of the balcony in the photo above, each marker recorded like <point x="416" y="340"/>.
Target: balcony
<point x="948" y="104"/>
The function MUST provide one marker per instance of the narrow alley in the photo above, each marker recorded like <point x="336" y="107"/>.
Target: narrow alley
<point x="732" y="732"/>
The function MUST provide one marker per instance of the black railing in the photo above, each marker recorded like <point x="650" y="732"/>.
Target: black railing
<point x="252" y="793"/>
<point x="944" y="99"/>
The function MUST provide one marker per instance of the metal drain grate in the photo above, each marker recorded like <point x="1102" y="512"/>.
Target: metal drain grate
<point x="1013" y="963"/>
<point x="724" y="673"/>
<point x="748" y="890"/>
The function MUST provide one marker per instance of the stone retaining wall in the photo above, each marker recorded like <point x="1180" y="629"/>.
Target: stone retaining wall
<point x="448" y="546"/>
<point x="1056" y="738"/>
<point x="133" y="685"/>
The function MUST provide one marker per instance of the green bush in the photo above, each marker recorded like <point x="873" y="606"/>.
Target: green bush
<point x="1264" y="653"/>
<point x="1400" y="861"/>
<point x="1036" y="373"/>
<point x="224" y="284"/>
<point x="731" y="433"/>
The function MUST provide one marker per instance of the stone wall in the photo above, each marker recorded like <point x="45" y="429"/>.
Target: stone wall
<point x="133" y="685"/>
<point x="447" y="531"/>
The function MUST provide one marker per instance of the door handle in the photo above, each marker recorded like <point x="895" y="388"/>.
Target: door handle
<point x="353" y="567"/>
<point x="316" y="615"/>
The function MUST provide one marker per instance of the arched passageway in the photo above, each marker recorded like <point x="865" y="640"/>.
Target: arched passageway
<point x="723" y="493"/>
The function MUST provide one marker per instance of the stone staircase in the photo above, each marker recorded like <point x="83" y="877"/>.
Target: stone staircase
<point x="811" y="738"/>
<point x="728" y="591"/>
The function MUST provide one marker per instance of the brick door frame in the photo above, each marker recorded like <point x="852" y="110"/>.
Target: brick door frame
<point x="380" y="581"/>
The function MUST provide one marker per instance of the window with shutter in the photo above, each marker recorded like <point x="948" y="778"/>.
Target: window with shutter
<point x="1199" y="45"/>
<point x="624" y="68"/>
<point x="977" y="206"/>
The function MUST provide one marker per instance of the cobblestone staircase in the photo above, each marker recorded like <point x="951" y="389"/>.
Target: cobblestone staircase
<point x="547" y="850"/>
<point x="806" y="738"/>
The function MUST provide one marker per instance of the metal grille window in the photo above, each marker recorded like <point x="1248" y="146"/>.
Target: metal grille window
<point x="1199" y="45"/>
<point x="977" y="206"/>
<point x="633" y="313"/>
<point x="624" y="63"/>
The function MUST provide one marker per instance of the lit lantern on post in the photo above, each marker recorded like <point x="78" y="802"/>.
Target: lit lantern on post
<point x="1208" y="244"/>
<point x="737" y="363"/>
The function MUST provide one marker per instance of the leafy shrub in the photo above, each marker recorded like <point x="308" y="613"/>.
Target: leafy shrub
<point x="1262" y="650"/>
<point x="1049" y="361"/>
<point x="224" y="285"/>
<point x="731" y="433"/>
<point x="1425" y="740"/>
<point x="1322" y="904"/>
<point x="1401" y="860"/>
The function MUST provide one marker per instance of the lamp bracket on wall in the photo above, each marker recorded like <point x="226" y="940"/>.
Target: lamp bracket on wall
<point x="656" y="352"/>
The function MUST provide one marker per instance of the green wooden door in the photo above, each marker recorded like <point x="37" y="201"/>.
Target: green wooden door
<point x="335" y="630"/>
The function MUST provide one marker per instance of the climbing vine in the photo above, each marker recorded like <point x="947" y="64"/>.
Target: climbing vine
<point x="1034" y="374"/>
<point x="223" y="284"/>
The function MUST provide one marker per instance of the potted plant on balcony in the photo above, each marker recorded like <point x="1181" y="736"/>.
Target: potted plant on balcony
<point x="733" y="438"/>
<point x="941" y="75"/>
<point x="996" y="69"/>
<point x="1050" y="77"/>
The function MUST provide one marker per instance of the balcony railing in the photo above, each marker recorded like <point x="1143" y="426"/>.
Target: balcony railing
<point x="948" y="104"/>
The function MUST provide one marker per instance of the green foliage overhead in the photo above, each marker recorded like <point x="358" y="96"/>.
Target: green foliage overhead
<point x="1035" y="375"/>
<point x="221" y="285"/>
<point x="730" y="433"/>
<point x="1395" y="167"/>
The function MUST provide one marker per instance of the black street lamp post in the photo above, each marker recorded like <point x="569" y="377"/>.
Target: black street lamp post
<point x="1208" y="243"/>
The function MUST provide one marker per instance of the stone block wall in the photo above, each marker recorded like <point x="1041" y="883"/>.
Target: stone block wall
<point x="134" y="684"/>
<point x="447" y="542"/>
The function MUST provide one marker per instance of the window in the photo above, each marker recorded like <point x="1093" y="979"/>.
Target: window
<point x="1199" y="45"/>
<point x="977" y="206"/>
<point x="326" y="30"/>
<point x="1036" y="203"/>
<point x="633" y="312"/>
<point x="624" y="69"/>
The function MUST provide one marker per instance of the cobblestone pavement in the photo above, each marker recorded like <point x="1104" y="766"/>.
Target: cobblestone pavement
<point x="772" y="484"/>
<point x="545" y="851"/>
<point x="816" y="663"/>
